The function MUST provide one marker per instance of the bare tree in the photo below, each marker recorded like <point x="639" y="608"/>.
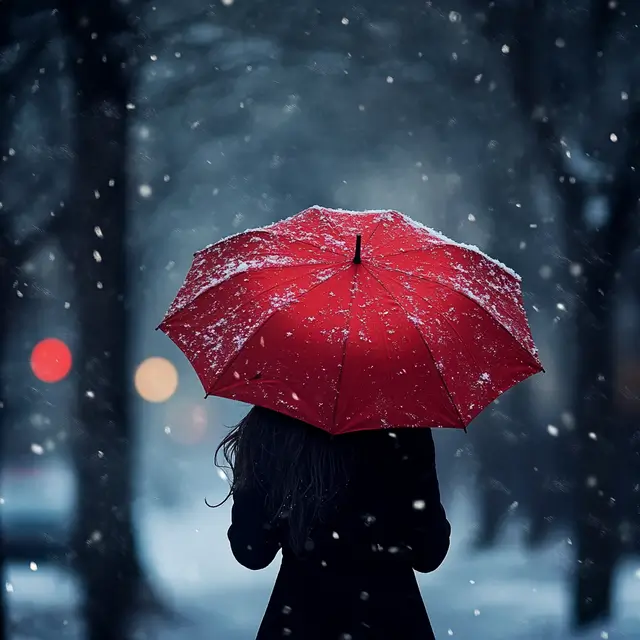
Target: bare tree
<point x="13" y="254"/>
<point x="5" y="292"/>
<point x="99" y="42"/>
<point x="92" y="233"/>
<point x="597" y="194"/>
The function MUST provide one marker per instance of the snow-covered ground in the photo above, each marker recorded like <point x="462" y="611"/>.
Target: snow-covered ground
<point x="504" y="594"/>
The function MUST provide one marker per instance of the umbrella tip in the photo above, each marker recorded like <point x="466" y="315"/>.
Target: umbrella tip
<point x="356" y="258"/>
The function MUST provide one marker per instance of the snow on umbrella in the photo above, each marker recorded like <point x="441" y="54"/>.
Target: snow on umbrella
<point x="352" y="321"/>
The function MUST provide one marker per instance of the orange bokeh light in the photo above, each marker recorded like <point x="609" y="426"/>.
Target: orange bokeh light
<point x="51" y="360"/>
<point x="156" y="379"/>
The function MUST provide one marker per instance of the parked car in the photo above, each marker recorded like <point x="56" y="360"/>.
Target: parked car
<point x="36" y="507"/>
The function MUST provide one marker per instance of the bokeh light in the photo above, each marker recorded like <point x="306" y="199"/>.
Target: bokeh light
<point x="51" y="360"/>
<point x="187" y="423"/>
<point x="156" y="379"/>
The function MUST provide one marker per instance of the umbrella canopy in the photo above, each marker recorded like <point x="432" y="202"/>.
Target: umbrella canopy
<point x="353" y="320"/>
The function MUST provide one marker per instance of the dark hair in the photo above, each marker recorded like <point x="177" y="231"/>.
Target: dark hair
<point x="299" y="468"/>
<point x="303" y="470"/>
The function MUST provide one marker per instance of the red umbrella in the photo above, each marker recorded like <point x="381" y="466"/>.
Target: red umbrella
<point x="353" y="320"/>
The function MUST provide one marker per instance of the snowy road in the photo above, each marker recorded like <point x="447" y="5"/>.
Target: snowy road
<point x="504" y="594"/>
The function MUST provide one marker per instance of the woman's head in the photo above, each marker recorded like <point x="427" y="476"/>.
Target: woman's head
<point x="300" y="468"/>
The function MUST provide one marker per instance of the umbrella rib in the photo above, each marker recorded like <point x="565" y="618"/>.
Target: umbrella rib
<point x="472" y="250"/>
<point x="329" y="221"/>
<point x="451" y="325"/>
<point x="427" y="249"/>
<point x="453" y="328"/>
<point x="270" y="232"/>
<point x="250" y="270"/>
<point x="424" y="341"/>
<point x="226" y="367"/>
<point x="373" y="233"/>
<point x="309" y="244"/>
<point x="462" y="293"/>
<point x="352" y="298"/>
<point x="383" y="245"/>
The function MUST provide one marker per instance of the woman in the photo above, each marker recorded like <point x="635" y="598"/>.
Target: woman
<point x="354" y="515"/>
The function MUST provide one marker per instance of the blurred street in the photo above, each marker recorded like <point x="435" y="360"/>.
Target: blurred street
<point x="505" y="594"/>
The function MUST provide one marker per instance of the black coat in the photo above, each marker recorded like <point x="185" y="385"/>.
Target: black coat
<point x="355" y="580"/>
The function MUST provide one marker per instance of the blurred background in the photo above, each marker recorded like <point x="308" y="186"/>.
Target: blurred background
<point x="135" y="132"/>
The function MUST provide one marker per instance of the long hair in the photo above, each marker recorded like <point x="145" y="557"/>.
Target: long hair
<point x="301" y="469"/>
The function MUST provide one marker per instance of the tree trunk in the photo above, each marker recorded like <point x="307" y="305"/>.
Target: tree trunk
<point x="631" y="416"/>
<point x="598" y="440"/>
<point x="6" y="293"/>
<point x="597" y="517"/>
<point x="5" y="296"/>
<point x="596" y="499"/>
<point x="103" y="541"/>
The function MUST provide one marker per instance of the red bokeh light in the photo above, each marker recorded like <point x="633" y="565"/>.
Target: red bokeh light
<point x="51" y="360"/>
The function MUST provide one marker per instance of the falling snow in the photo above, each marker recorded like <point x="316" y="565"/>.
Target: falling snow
<point x="229" y="129"/>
